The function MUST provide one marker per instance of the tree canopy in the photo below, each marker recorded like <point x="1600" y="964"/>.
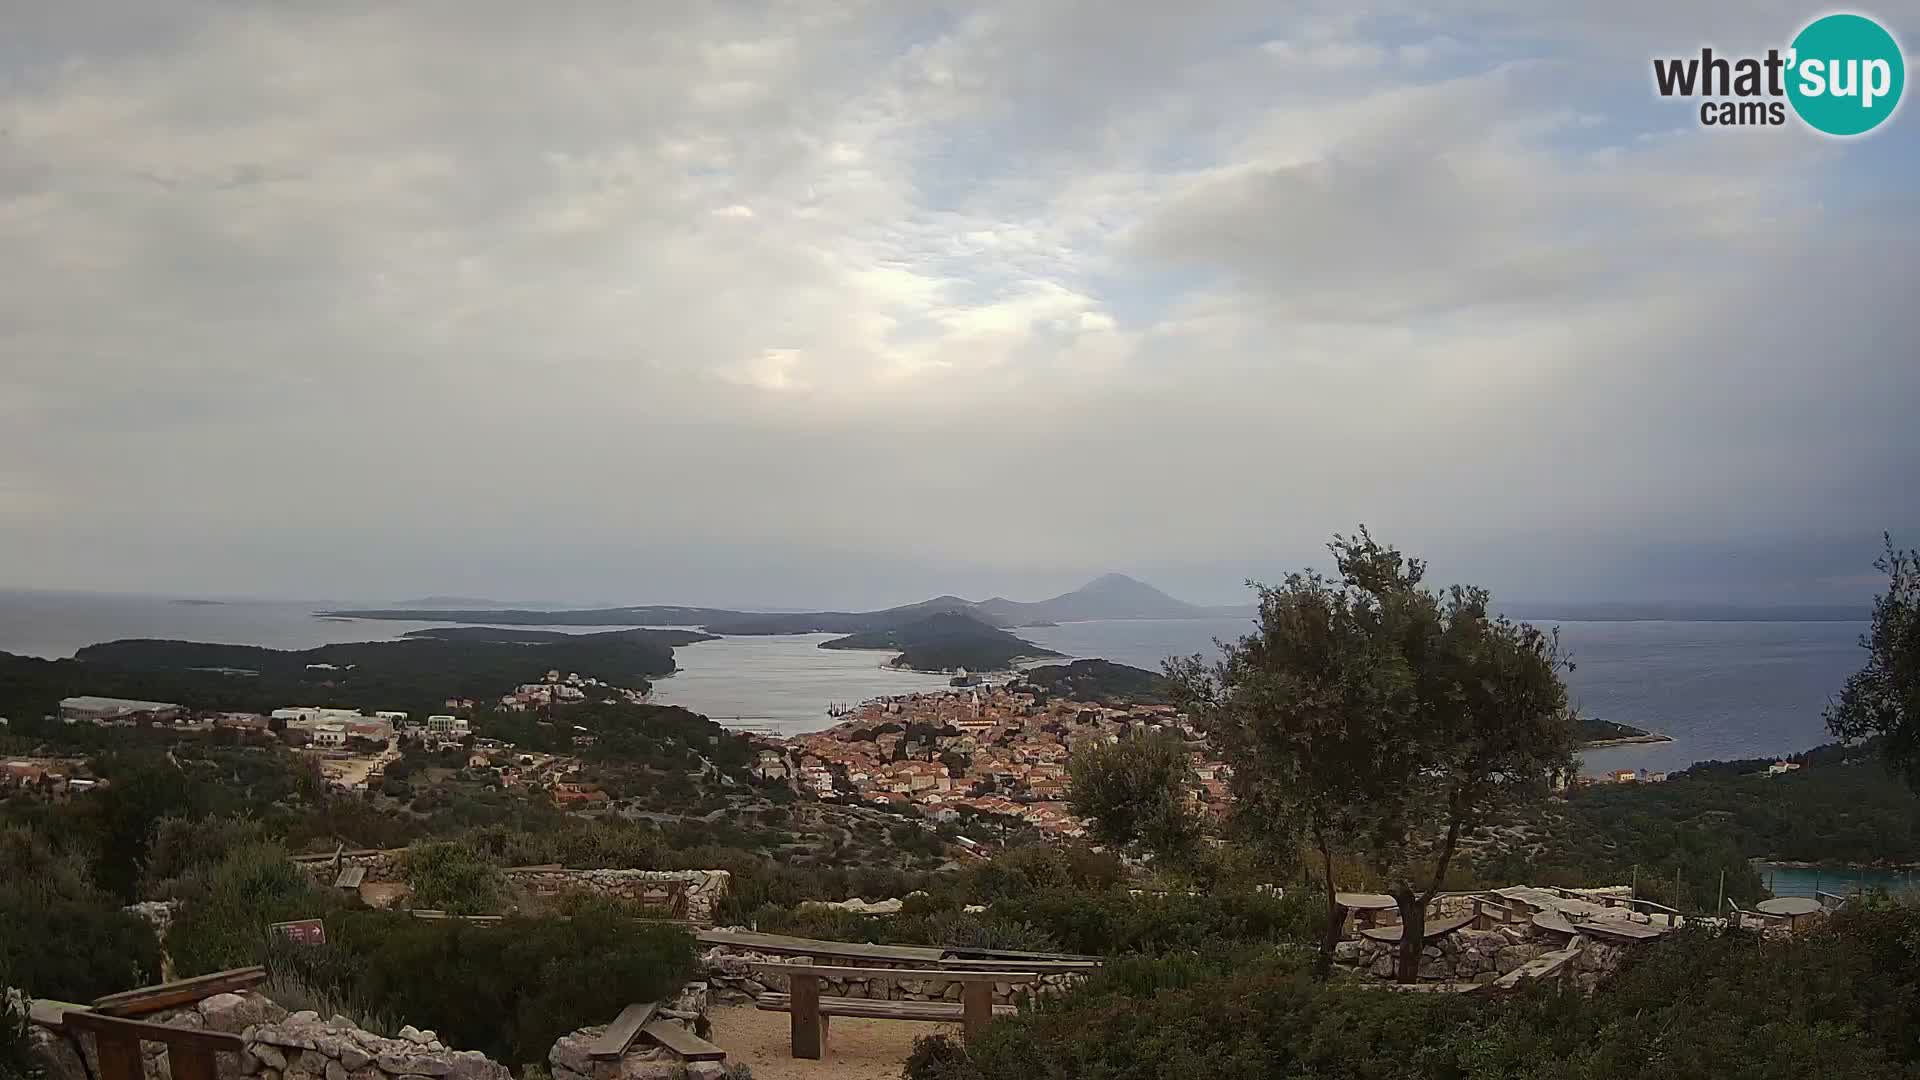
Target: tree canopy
<point x="1382" y="719"/>
<point x="1138" y="791"/>
<point x="1883" y="698"/>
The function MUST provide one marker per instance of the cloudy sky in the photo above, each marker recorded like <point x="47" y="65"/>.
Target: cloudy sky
<point x="846" y="302"/>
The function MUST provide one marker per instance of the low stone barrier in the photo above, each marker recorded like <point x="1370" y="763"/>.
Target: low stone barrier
<point x="733" y="980"/>
<point x="701" y="890"/>
<point x="1463" y="956"/>
<point x="689" y="894"/>
<point x="279" y="1046"/>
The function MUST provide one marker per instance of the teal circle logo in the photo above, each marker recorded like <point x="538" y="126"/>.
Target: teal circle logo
<point x="1845" y="76"/>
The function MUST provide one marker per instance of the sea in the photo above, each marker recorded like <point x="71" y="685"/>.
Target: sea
<point x="1718" y="689"/>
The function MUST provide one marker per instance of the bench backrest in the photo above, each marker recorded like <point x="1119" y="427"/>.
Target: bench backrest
<point x="828" y="971"/>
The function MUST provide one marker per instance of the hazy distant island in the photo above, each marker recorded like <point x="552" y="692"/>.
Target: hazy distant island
<point x="1112" y="596"/>
<point x="668" y="638"/>
<point x="944" y="642"/>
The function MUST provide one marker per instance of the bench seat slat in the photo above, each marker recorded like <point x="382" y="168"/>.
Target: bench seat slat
<point x="689" y="1046"/>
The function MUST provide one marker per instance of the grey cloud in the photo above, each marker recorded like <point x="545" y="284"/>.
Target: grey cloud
<point x="842" y="303"/>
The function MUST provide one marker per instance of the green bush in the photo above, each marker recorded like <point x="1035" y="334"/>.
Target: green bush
<point x="60" y="936"/>
<point x="73" y="950"/>
<point x="254" y="886"/>
<point x="1118" y="921"/>
<point x="454" y="877"/>
<point x="183" y="853"/>
<point x="1837" y="1004"/>
<point x="509" y="989"/>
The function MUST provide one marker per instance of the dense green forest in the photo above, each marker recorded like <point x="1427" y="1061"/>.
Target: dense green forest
<point x="1842" y="806"/>
<point x="1099" y="680"/>
<point x="943" y="642"/>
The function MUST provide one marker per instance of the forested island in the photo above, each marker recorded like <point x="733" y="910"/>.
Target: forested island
<point x="1596" y="733"/>
<point x="414" y="675"/>
<point x="944" y="642"/>
<point x="1100" y="680"/>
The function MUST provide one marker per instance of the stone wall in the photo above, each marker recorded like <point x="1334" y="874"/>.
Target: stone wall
<point x="387" y="865"/>
<point x="280" y="1046"/>
<point x="702" y="889"/>
<point x="1478" y="956"/>
<point x="734" y="981"/>
<point x="571" y="1056"/>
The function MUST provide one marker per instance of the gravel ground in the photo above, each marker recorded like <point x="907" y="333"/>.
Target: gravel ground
<point x="856" y="1049"/>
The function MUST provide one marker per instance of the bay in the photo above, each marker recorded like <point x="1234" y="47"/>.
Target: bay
<point x="1719" y="689"/>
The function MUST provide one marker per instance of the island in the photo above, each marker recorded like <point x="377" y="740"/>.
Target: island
<point x="1594" y="733"/>
<point x="945" y="642"/>
<point x="668" y="638"/>
<point x="1098" y="680"/>
<point x="415" y="675"/>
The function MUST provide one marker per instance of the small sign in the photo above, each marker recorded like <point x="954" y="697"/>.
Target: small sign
<point x="302" y="931"/>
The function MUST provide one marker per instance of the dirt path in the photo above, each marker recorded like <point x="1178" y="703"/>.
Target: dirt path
<point x="856" y="1049"/>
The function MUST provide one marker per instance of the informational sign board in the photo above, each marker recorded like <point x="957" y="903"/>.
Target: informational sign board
<point x="303" y="931"/>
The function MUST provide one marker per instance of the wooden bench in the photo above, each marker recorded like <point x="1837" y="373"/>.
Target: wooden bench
<point x="810" y="1011"/>
<point x="637" y="1021"/>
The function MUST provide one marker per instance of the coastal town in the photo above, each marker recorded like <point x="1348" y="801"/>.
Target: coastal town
<point x="993" y="749"/>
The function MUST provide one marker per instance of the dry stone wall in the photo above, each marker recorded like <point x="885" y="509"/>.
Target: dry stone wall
<point x="703" y="889"/>
<point x="1479" y="956"/>
<point x="734" y="980"/>
<point x="280" y="1046"/>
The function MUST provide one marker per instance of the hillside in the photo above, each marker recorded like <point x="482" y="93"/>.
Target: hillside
<point x="943" y="642"/>
<point x="1100" y="680"/>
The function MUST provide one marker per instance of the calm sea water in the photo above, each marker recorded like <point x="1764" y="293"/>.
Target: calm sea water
<point x="1721" y="689"/>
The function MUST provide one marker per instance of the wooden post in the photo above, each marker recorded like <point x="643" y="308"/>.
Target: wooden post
<point x="809" y="1027"/>
<point x="190" y="1062"/>
<point x="976" y="1006"/>
<point x="1722" y="902"/>
<point x="119" y="1055"/>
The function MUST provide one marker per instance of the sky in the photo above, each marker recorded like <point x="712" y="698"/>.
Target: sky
<point x="850" y="302"/>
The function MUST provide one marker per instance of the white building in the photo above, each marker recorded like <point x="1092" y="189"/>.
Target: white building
<point x="330" y="735"/>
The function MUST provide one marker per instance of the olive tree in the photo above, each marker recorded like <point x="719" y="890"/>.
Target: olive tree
<point x="1883" y="698"/>
<point x="1380" y="719"/>
<point x="1138" y="791"/>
